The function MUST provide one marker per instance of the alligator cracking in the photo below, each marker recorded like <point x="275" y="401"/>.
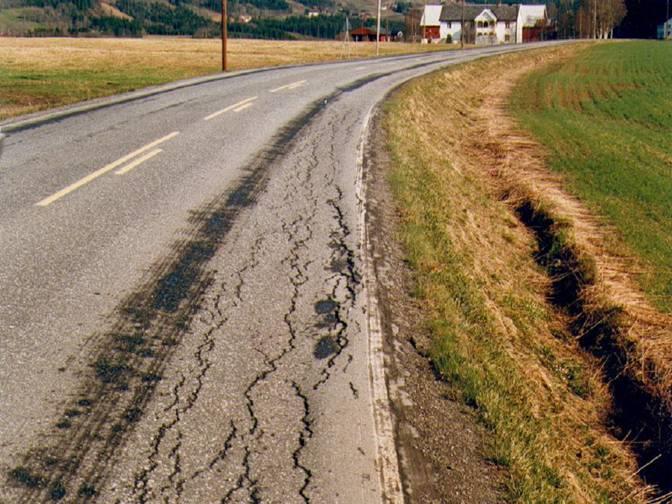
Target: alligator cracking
<point x="73" y="458"/>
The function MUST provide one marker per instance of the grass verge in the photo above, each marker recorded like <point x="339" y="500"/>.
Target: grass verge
<point x="496" y="338"/>
<point x="605" y="119"/>
<point x="42" y="73"/>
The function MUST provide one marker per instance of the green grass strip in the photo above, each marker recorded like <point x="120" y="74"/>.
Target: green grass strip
<point x="606" y="120"/>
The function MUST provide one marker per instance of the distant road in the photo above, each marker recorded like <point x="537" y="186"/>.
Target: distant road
<point x="219" y="225"/>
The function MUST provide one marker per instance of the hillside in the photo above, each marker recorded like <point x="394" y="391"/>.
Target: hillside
<point x="276" y="19"/>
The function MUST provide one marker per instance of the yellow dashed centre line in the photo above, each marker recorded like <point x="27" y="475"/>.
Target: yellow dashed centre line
<point x="242" y="107"/>
<point x="292" y="85"/>
<point x="102" y="171"/>
<point x="137" y="162"/>
<point x="231" y="107"/>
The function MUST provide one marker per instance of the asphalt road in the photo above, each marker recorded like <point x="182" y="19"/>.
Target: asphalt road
<point x="183" y="304"/>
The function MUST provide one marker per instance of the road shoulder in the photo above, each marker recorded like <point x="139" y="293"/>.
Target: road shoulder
<point x="439" y="441"/>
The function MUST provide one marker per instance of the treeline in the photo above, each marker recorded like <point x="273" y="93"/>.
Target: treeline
<point x="160" y="19"/>
<point x="587" y="18"/>
<point x="179" y="17"/>
<point x="292" y="26"/>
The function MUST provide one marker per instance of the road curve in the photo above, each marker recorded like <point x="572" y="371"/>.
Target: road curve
<point x="183" y="308"/>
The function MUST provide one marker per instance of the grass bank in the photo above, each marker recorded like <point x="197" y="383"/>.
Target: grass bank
<point x="605" y="120"/>
<point x="506" y="350"/>
<point x="42" y="73"/>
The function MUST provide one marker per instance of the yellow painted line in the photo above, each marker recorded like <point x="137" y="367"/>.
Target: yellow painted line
<point x="137" y="162"/>
<point x="92" y="176"/>
<point x="242" y="107"/>
<point x="230" y="107"/>
<point x="291" y="85"/>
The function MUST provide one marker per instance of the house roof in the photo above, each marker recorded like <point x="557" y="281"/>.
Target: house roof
<point x="453" y="12"/>
<point x="363" y="30"/>
<point x="530" y="14"/>
<point x="431" y="15"/>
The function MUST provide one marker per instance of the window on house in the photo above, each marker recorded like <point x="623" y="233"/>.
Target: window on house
<point x="508" y="25"/>
<point x="507" y="38"/>
<point x="450" y="25"/>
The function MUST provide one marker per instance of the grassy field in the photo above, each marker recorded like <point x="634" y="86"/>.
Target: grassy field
<point x="496" y="339"/>
<point x="606" y="119"/>
<point x="41" y="73"/>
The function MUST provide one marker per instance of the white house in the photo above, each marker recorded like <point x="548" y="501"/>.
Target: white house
<point x="485" y="24"/>
<point x="665" y="30"/>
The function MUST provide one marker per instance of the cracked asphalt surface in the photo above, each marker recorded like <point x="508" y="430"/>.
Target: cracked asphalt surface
<point x="195" y="330"/>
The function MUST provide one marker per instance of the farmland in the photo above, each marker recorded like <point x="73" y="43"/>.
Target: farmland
<point x="498" y="342"/>
<point x="536" y="223"/>
<point x="605" y="119"/>
<point x="37" y="74"/>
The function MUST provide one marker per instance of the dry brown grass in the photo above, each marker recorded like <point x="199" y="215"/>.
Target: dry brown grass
<point x="39" y="73"/>
<point x="488" y="298"/>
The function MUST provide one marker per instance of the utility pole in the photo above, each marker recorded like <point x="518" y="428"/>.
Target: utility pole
<point x="462" y="28"/>
<point x="378" y="30"/>
<point x="225" y="33"/>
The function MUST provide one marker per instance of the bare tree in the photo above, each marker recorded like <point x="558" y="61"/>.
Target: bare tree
<point x="598" y="18"/>
<point x="610" y="14"/>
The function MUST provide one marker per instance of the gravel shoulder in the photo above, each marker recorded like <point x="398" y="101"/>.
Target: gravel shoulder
<point x="439" y="440"/>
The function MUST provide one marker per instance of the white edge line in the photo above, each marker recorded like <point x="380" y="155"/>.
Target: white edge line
<point x="124" y="170"/>
<point x="230" y="107"/>
<point x="386" y="452"/>
<point x="92" y="176"/>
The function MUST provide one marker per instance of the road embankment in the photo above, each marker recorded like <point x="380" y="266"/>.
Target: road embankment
<point x="515" y="310"/>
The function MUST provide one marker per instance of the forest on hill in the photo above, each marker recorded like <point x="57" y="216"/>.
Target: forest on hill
<point x="288" y="19"/>
<point x="200" y="18"/>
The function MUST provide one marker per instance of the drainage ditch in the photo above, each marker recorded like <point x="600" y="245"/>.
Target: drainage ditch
<point x="638" y="415"/>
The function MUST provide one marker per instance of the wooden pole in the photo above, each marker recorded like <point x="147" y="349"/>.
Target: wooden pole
<point x="462" y="28"/>
<point x="225" y="33"/>
<point x="378" y="30"/>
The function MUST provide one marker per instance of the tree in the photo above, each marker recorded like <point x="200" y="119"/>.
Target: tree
<point x="598" y="18"/>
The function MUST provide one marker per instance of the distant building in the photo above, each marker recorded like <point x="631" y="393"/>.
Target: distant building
<point x="485" y="24"/>
<point x="430" y="25"/>
<point x="665" y="30"/>
<point x="313" y="14"/>
<point x="364" y="34"/>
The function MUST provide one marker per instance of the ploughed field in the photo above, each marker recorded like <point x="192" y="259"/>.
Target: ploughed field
<point x="606" y="119"/>
<point x="42" y="73"/>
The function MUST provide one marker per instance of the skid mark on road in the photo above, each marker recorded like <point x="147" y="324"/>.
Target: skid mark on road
<point x="146" y="330"/>
<point x="151" y="324"/>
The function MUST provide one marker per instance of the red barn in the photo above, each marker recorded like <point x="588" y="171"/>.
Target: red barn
<point x="364" y="34"/>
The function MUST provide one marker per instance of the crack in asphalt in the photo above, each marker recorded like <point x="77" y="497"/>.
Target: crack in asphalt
<point x="162" y="311"/>
<point x="217" y="321"/>
<point x="305" y="435"/>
